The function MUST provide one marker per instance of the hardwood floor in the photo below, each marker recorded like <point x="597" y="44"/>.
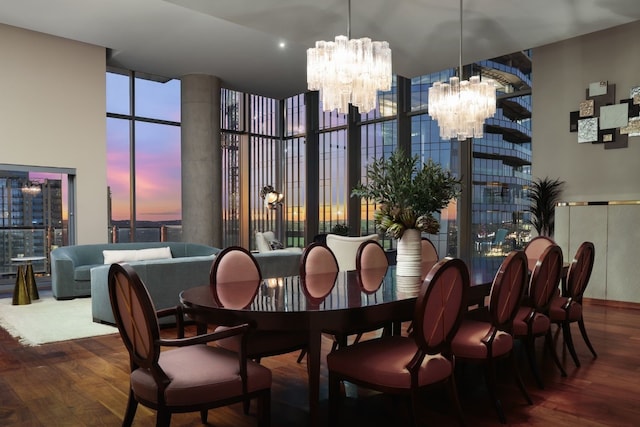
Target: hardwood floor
<point x="84" y="383"/>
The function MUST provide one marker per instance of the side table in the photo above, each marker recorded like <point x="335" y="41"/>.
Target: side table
<point x="25" y="290"/>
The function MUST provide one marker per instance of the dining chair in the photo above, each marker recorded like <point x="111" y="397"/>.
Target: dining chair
<point x="318" y="272"/>
<point x="484" y="336"/>
<point x="371" y="266"/>
<point x="429" y="256"/>
<point x="234" y="279"/>
<point x="567" y="308"/>
<point x="193" y="376"/>
<point x="397" y="364"/>
<point x="535" y="247"/>
<point x="531" y="320"/>
<point x="346" y="247"/>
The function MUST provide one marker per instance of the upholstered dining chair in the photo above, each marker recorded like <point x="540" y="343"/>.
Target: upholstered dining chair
<point x="535" y="247"/>
<point x="371" y="265"/>
<point x="429" y="256"/>
<point x="531" y="320"/>
<point x="567" y="308"/>
<point x="318" y="272"/>
<point x="319" y="267"/>
<point x="192" y="377"/>
<point x="484" y="336"/>
<point x="234" y="279"/>
<point x="346" y="247"/>
<point x="405" y="365"/>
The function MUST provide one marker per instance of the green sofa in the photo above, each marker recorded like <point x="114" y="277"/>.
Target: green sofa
<point x="80" y="271"/>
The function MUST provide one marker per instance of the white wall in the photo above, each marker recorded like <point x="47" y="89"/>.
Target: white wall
<point x="561" y="74"/>
<point x="52" y="114"/>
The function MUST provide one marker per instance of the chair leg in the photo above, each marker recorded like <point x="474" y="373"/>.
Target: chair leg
<point x="568" y="341"/>
<point x="132" y="405"/>
<point x="453" y="393"/>
<point x="516" y="373"/>
<point x="163" y="418"/>
<point x="264" y="409"/>
<point x="490" y="379"/>
<point x="334" y="399"/>
<point x="529" y="344"/>
<point x="301" y="356"/>
<point x="204" y="415"/>
<point x="414" y="411"/>
<point x="548" y="342"/>
<point x="358" y="338"/>
<point x="246" y="406"/>
<point x="585" y="337"/>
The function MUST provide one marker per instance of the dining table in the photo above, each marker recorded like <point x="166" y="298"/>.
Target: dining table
<point x="337" y="302"/>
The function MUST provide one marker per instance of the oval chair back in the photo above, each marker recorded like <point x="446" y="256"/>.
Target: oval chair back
<point x="439" y="305"/>
<point x="429" y="256"/>
<point x="234" y="277"/>
<point x="317" y="259"/>
<point x="507" y="290"/>
<point x="545" y="278"/>
<point x="371" y="254"/>
<point x="580" y="271"/>
<point x="135" y="316"/>
<point x="534" y="249"/>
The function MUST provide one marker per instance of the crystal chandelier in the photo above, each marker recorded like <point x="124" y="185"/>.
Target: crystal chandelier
<point x="349" y="71"/>
<point x="31" y="187"/>
<point x="461" y="107"/>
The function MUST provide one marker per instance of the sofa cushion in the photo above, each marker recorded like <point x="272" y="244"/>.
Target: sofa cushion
<point x="129" y="255"/>
<point x="83" y="272"/>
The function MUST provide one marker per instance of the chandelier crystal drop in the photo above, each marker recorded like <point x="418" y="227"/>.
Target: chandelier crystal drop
<point x="461" y="107"/>
<point x="349" y="71"/>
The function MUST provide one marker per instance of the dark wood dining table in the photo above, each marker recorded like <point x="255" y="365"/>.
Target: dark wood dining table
<point x="340" y="302"/>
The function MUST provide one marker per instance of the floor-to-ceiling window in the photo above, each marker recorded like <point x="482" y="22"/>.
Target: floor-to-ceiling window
<point x="266" y="142"/>
<point x="143" y="156"/>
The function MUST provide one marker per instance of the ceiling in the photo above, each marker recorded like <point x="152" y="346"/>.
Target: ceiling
<point x="240" y="40"/>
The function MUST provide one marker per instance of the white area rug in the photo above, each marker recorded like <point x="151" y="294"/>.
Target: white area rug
<point x="47" y="320"/>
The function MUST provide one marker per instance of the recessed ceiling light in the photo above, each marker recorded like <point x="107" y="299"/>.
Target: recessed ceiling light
<point x="282" y="45"/>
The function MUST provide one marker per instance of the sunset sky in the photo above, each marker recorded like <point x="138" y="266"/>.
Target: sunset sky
<point x="157" y="149"/>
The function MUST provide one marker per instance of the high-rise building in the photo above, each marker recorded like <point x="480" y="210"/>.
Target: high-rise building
<point x="30" y="218"/>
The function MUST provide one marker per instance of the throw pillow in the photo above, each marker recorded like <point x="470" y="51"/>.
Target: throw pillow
<point x="129" y="255"/>
<point x="276" y="244"/>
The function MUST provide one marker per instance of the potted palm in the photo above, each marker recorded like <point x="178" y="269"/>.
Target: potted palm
<point x="407" y="195"/>
<point x="544" y="195"/>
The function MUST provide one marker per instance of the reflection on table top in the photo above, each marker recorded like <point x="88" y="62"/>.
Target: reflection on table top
<point x="322" y="292"/>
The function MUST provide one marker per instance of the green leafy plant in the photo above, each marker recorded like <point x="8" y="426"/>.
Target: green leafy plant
<point x="407" y="193"/>
<point x="544" y="195"/>
<point x="341" y="229"/>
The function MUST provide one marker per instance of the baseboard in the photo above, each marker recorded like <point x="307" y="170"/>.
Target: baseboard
<point x="611" y="303"/>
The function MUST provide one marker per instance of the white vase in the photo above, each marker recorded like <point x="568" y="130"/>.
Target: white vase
<point x="409" y="254"/>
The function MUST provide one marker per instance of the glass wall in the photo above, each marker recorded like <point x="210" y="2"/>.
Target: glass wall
<point x="34" y="214"/>
<point x="143" y="158"/>
<point x="266" y="142"/>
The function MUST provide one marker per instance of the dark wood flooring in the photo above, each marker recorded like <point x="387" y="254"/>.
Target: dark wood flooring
<point x="84" y="383"/>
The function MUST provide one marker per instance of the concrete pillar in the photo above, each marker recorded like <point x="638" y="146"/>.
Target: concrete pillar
<point x="201" y="160"/>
